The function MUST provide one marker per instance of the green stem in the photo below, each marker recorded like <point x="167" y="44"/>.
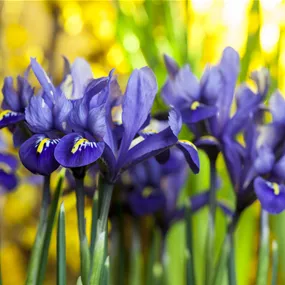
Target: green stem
<point x="274" y="263"/>
<point x="263" y="261"/>
<point x="190" y="271"/>
<point x="34" y="264"/>
<point x="225" y="251"/>
<point x="84" y="250"/>
<point x="100" y="251"/>
<point x="231" y="258"/>
<point x="94" y="222"/>
<point x="61" y="248"/>
<point x="106" y="191"/>
<point x="211" y="229"/>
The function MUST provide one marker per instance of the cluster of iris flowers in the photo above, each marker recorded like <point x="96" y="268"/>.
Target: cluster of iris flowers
<point x="90" y="127"/>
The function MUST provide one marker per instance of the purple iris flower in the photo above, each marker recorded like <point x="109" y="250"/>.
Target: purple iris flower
<point x="8" y="179"/>
<point x="99" y="135"/>
<point x="47" y="115"/>
<point x="156" y="188"/>
<point x="270" y="159"/>
<point x="15" y="100"/>
<point x="211" y="98"/>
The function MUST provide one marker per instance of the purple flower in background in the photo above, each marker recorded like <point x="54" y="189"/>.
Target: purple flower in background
<point x="15" y="100"/>
<point x="156" y="187"/>
<point x="8" y="179"/>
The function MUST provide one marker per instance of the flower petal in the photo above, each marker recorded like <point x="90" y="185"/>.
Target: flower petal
<point x="265" y="160"/>
<point x="11" y="98"/>
<point x="44" y="80"/>
<point x="198" y="113"/>
<point x="97" y="121"/>
<point x="74" y="150"/>
<point x="81" y="74"/>
<point x="37" y="154"/>
<point x="150" y="146"/>
<point x="145" y="205"/>
<point x="38" y="115"/>
<point x="191" y="154"/>
<point x="8" y="117"/>
<point x="171" y="65"/>
<point x="7" y="180"/>
<point x="182" y="90"/>
<point x="277" y="107"/>
<point x="229" y="66"/>
<point x="9" y="160"/>
<point x="137" y="103"/>
<point x="271" y="195"/>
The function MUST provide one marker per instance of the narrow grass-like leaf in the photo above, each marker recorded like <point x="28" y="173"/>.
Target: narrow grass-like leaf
<point x="190" y="273"/>
<point x="274" y="277"/>
<point x="105" y="276"/>
<point x="136" y="256"/>
<point x="61" y="248"/>
<point x="222" y="261"/>
<point x="50" y="224"/>
<point x="83" y="242"/>
<point x="35" y="259"/>
<point x="94" y="222"/>
<point x="98" y="259"/>
<point x="263" y="260"/>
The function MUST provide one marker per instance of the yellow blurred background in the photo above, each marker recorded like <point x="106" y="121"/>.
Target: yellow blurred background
<point x="119" y="34"/>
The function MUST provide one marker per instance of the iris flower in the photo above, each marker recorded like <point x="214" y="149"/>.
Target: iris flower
<point x="8" y="179"/>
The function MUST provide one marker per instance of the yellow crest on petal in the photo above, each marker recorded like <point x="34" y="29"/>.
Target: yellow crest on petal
<point x="78" y="144"/>
<point x="41" y="145"/>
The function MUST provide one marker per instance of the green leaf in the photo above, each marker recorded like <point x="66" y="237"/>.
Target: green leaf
<point x="35" y="259"/>
<point x="274" y="263"/>
<point x="94" y="222"/>
<point x="98" y="259"/>
<point x="61" y="248"/>
<point x="105" y="276"/>
<point x="190" y="271"/>
<point x="50" y="224"/>
<point x="263" y="261"/>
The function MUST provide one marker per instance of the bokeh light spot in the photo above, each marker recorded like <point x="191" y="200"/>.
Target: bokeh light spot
<point x="269" y="36"/>
<point x="131" y="43"/>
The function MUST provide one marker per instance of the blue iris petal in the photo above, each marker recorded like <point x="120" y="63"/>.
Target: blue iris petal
<point x="75" y="150"/>
<point x="271" y="195"/>
<point x="37" y="154"/>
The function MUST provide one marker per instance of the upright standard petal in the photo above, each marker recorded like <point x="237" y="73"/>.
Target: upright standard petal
<point x="97" y="122"/>
<point x="229" y="66"/>
<point x="44" y="80"/>
<point x="211" y="85"/>
<point x="277" y="107"/>
<point x="74" y="150"/>
<point x="61" y="111"/>
<point x="171" y="65"/>
<point x="270" y="194"/>
<point x="81" y="74"/>
<point x="182" y="90"/>
<point x="265" y="160"/>
<point x="38" y="115"/>
<point x="11" y="97"/>
<point x="37" y="154"/>
<point x="137" y="103"/>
